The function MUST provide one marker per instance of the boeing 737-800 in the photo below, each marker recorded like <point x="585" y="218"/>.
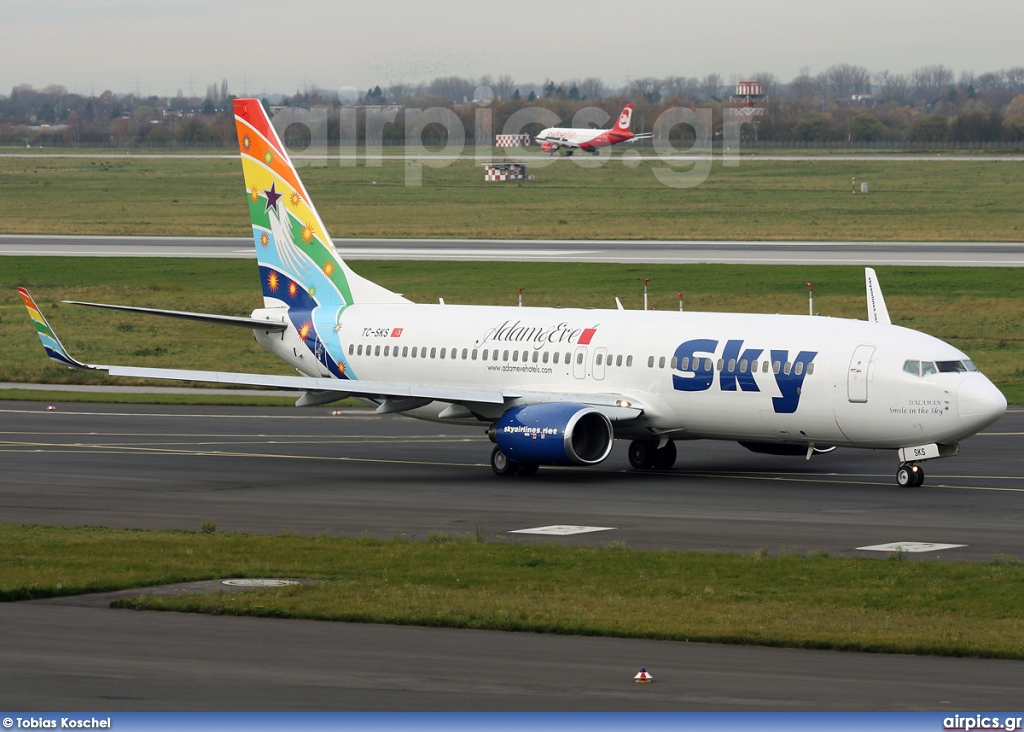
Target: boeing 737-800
<point x="590" y="140"/>
<point x="559" y="386"/>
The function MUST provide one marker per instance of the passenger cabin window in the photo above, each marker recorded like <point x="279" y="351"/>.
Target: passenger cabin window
<point x="360" y="351"/>
<point x="661" y="362"/>
<point x="376" y="350"/>
<point x="650" y="362"/>
<point x="629" y="360"/>
<point x="351" y="348"/>
<point x="554" y="357"/>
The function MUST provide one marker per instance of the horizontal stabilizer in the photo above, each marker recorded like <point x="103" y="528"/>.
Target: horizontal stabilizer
<point x="270" y="325"/>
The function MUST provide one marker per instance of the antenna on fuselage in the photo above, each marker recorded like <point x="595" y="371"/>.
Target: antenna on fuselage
<point x="877" y="311"/>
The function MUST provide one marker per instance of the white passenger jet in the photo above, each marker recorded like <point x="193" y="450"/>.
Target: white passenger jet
<point x="590" y="140"/>
<point x="558" y="387"/>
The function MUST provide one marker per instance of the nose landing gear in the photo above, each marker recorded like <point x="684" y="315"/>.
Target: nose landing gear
<point x="910" y="475"/>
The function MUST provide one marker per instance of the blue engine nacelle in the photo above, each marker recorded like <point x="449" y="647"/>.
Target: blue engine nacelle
<point x="554" y="433"/>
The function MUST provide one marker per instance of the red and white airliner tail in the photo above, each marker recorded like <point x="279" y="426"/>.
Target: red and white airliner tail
<point x="573" y="138"/>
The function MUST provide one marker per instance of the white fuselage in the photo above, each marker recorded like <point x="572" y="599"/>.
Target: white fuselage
<point x="764" y="378"/>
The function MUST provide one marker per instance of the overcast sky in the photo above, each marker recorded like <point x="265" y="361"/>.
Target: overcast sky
<point x="158" y="47"/>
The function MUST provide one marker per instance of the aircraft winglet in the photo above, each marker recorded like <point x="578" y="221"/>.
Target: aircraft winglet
<point x="877" y="311"/>
<point x="53" y="347"/>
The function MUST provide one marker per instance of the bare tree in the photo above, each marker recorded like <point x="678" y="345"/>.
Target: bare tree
<point x="990" y="80"/>
<point x="804" y="87"/>
<point x="680" y="86"/>
<point x="846" y="80"/>
<point x="504" y="87"/>
<point x="711" y="86"/>
<point x="1015" y="78"/>
<point x="400" y="93"/>
<point x="453" y="88"/>
<point x="929" y="82"/>
<point x="647" y="87"/>
<point x="591" y="88"/>
<point x="893" y="87"/>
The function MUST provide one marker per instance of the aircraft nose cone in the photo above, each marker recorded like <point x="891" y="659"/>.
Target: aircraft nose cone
<point x="979" y="402"/>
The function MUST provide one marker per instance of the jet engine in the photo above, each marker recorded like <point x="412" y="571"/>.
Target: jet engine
<point x="554" y="433"/>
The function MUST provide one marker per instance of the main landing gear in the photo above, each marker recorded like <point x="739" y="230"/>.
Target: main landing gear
<point x="501" y="464"/>
<point x="646" y="455"/>
<point x="910" y="475"/>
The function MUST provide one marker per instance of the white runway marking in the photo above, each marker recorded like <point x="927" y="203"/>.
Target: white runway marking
<point x="562" y="530"/>
<point x="912" y="547"/>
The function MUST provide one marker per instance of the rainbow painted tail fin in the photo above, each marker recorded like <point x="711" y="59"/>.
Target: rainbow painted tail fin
<point x="299" y="266"/>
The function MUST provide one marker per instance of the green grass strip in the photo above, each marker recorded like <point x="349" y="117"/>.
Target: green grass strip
<point x="814" y="601"/>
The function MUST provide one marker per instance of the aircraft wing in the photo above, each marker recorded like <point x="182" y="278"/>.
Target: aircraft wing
<point x="557" y="141"/>
<point x="396" y="396"/>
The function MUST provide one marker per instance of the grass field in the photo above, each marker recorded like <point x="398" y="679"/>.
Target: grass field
<point x="809" y="601"/>
<point x="977" y="309"/>
<point x="798" y="200"/>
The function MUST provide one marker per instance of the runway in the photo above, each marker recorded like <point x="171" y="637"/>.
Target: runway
<point x="958" y="254"/>
<point x="310" y="471"/>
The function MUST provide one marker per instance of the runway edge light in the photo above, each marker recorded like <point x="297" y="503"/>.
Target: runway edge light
<point x="643" y="677"/>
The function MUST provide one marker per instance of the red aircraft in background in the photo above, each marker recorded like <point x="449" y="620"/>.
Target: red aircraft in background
<point x="590" y="140"/>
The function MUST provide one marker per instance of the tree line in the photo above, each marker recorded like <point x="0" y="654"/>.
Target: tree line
<point x="844" y="103"/>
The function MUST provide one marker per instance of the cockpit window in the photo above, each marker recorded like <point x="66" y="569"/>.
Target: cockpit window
<point x="927" y="368"/>
<point x="955" y="367"/>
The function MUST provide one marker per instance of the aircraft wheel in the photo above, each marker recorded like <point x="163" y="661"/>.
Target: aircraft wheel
<point x="641" y="454"/>
<point x="909" y="476"/>
<point x="665" y="458"/>
<point x="501" y="465"/>
<point x="528" y="468"/>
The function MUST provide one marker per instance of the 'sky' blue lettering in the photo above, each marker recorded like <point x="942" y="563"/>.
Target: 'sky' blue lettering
<point x="702" y="373"/>
<point x="791" y="383"/>
<point x="730" y="376"/>
<point x="699" y="375"/>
